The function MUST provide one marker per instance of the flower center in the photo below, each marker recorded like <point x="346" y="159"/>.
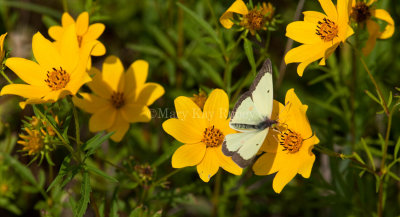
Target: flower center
<point x="212" y="137"/>
<point x="33" y="141"/>
<point x="291" y="141"/>
<point x="254" y="20"/>
<point x="57" y="79"/>
<point x="360" y="13"/>
<point x="117" y="99"/>
<point x="327" y="29"/>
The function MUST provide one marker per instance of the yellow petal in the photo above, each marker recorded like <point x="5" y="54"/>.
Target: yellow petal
<point x="271" y="142"/>
<point x="66" y="19"/>
<point x="27" y="70"/>
<point x="343" y="19"/>
<point x="182" y="131"/>
<point x="216" y="107"/>
<point x="282" y="178"/>
<point x="266" y="165"/>
<point x="150" y="93"/>
<point x="31" y="101"/>
<point x="313" y="17"/>
<point x="329" y="9"/>
<point x="69" y="49"/>
<point x="136" y="113"/>
<point x="94" y="31"/>
<point x="188" y="111"/>
<point x="113" y="72"/>
<point x="56" y="32"/>
<point x="238" y="7"/>
<point x="45" y="52"/>
<point x="209" y="165"/>
<point x="90" y="103"/>
<point x="295" y="115"/>
<point x="98" y="85"/>
<point x="82" y="23"/>
<point x="120" y="127"/>
<point x="302" y="52"/>
<point x="305" y="63"/>
<point x="188" y="155"/>
<point x="374" y="32"/>
<point x="385" y="16"/>
<point x="102" y="119"/>
<point x="77" y="79"/>
<point x="303" y="32"/>
<point x="98" y="50"/>
<point x="305" y="168"/>
<point x="227" y="163"/>
<point x="26" y="91"/>
<point x="140" y="69"/>
<point x="54" y="96"/>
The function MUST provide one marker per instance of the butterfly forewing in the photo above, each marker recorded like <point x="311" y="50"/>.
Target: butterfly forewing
<point x="262" y="90"/>
<point x="245" y="114"/>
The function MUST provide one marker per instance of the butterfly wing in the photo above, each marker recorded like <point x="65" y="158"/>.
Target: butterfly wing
<point x="262" y="90"/>
<point x="244" y="114"/>
<point x="243" y="147"/>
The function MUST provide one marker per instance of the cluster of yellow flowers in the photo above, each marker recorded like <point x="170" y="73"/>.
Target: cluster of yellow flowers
<point x="64" y="65"/>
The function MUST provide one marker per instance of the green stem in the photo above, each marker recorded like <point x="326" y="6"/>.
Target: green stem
<point x="77" y="129"/>
<point x="5" y="76"/>
<point x="65" y="5"/>
<point x="217" y="189"/>
<point x="167" y="176"/>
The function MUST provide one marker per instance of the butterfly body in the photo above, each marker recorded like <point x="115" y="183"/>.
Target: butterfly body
<point x="251" y="117"/>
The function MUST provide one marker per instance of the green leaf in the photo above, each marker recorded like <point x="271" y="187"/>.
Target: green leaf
<point x="358" y="157"/>
<point x="136" y="212"/>
<point x="147" y="50"/>
<point x="64" y="168"/>
<point x="49" y="21"/>
<point x="114" y="204"/>
<point x="162" y="40"/>
<point x="211" y="72"/>
<point x="201" y="22"/>
<point x="396" y="148"/>
<point x="21" y="169"/>
<point x="80" y="208"/>
<point x="366" y="148"/>
<point x="10" y="206"/>
<point x="94" y="143"/>
<point x="248" y="49"/>
<point x="32" y="7"/>
<point x="100" y="173"/>
<point x="390" y="99"/>
<point x="372" y="96"/>
<point x="394" y="176"/>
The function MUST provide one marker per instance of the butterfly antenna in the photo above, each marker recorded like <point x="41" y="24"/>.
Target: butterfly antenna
<point x="310" y="136"/>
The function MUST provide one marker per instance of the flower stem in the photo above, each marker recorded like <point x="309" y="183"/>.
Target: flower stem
<point x="77" y="129"/>
<point x="5" y="76"/>
<point x="217" y="189"/>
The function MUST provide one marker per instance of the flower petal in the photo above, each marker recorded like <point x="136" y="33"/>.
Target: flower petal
<point x="113" y="72"/>
<point x="27" y="70"/>
<point x="94" y="31"/>
<point x="103" y="119"/>
<point x="24" y="90"/>
<point x="99" y="49"/>
<point x="120" y="127"/>
<point x="150" y="93"/>
<point x="209" y="165"/>
<point x="66" y="19"/>
<point x="188" y="155"/>
<point x="282" y="178"/>
<point x="226" y="162"/>
<point x="329" y="9"/>
<point x="238" y="7"/>
<point x="140" y="70"/>
<point x="303" y="32"/>
<point x="183" y="131"/>
<point x="135" y="113"/>
<point x="82" y="23"/>
<point x="90" y="103"/>
<point x="266" y="165"/>
<point x="56" y="32"/>
<point x="374" y="32"/>
<point x="216" y="107"/>
<point x="98" y="85"/>
<point x="188" y="111"/>
<point x="385" y="16"/>
<point x="313" y="16"/>
<point x="69" y="49"/>
<point x="306" y="167"/>
<point x="46" y="54"/>
<point x="303" y="52"/>
<point x="343" y="19"/>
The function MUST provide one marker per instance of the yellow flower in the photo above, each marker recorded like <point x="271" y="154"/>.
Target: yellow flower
<point x="32" y="141"/>
<point x="253" y="20"/>
<point x="57" y="73"/>
<point x="2" y="51"/>
<point x="319" y="33"/>
<point x="288" y="150"/>
<point x="119" y="98"/>
<point x="362" y="13"/>
<point x="85" y="33"/>
<point x="203" y="133"/>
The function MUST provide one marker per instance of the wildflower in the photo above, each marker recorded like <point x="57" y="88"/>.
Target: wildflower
<point x="203" y="133"/>
<point x="362" y="13"/>
<point x="288" y="149"/>
<point x="145" y="172"/>
<point x="200" y="99"/>
<point x="84" y="32"/>
<point x="32" y="141"/>
<point x="119" y="98"/>
<point x="2" y="50"/>
<point x="320" y="34"/>
<point x="254" y="20"/>
<point x="56" y="74"/>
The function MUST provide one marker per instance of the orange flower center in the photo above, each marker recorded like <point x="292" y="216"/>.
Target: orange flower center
<point x="33" y="141"/>
<point x="327" y="29"/>
<point x="117" y="99"/>
<point x="291" y="141"/>
<point x="360" y="12"/>
<point x="57" y="79"/>
<point x="212" y="137"/>
<point x="254" y="20"/>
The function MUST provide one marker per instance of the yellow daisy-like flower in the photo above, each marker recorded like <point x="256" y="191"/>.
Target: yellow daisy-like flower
<point x="32" y="141"/>
<point x="288" y="150"/>
<point x="253" y="20"/>
<point x="203" y="133"/>
<point x="320" y="34"/>
<point x="85" y="33"/>
<point x="2" y="51"/>
<point x="362" y="13"/>
<point x="57" y="73"/>
<point x="119" y="98"/>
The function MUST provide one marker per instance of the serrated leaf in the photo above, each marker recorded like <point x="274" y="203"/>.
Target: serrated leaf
<point x="248" y="49"/>
<point x="100" y="173"/>
<point x="366" y="149"/>
<point x="80" y="208"/>
<point x="62" y="172"/>
<point x="94" y="143"/>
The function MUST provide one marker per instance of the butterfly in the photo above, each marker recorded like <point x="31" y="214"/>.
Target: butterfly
<point x="251" y="116"/>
